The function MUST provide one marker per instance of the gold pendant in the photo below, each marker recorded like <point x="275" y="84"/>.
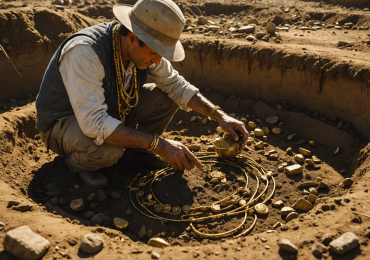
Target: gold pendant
<point x="186" y="208"/>
<point x="176" y="210"/>
<point x="158" y="207"/>
<point x="140" y="193"/>
<point x="167" y="208"/>
<point x="149" y="197"/>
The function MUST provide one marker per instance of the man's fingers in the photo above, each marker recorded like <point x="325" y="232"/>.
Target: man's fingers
<point x="245" y="138"/>
<point x="233" y="134"/>
<point x="185" y="162"/>
<point x="192" y="158"/>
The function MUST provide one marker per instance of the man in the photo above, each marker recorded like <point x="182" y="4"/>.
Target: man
<point x="102" y="69"/>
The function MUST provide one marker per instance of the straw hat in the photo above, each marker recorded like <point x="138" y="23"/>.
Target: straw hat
<point x="158" y="23"/>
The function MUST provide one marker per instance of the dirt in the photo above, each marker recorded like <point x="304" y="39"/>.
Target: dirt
<point x="314" y="84"/>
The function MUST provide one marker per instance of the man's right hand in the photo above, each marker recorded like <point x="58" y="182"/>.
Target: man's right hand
<point x="176" y="154"/>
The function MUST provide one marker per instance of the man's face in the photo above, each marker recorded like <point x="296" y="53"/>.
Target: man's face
<point x="142" y="56"/>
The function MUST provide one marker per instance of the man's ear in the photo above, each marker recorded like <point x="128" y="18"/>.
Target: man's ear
<point x="131" y="38"/>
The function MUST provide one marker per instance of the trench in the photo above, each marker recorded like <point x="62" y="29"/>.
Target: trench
<point x="311" y="96"/>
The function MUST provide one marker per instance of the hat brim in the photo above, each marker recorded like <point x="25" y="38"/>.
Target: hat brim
<point x="172" y="52"/>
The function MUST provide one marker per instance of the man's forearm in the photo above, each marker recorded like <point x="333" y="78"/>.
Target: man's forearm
<point x="202" y="105"/>
<point x="127" y="137"/>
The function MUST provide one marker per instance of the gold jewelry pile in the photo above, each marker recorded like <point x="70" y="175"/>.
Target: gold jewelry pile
<point x="242" y="201"/>
<point x="124" y="99"/>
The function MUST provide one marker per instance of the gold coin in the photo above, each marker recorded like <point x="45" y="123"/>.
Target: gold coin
<point x="140" y="193"/>
<point x="120" y="223"/>
<point x="261" y="209"/>
<point x="167" y="207"/>
<point x="186" y="208"/>
<point x="176" y="210"/>
<point x="158" y="207"/>
<point x="152" y="202"/>
<point x="149" y="197"/>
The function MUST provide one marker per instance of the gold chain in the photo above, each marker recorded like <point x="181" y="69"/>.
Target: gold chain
<point x="124" y="98"/>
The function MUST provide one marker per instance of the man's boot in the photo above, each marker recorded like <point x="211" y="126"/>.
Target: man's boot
<point x="94" y="179"/>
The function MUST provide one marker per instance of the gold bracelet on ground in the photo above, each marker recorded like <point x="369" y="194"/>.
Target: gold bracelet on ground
<point x="154" y="143"/>
<point x="212" y="112"/>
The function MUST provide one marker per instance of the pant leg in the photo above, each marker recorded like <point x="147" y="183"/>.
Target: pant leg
<point x="66" y="138"/>
<point x="153" y="112"/>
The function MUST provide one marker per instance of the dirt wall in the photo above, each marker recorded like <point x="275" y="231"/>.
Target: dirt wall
<point x="319" y="84"/>
<point x="347" y="2"/>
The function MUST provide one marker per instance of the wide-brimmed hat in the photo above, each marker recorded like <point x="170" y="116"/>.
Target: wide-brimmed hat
<point x="158" y="23"/>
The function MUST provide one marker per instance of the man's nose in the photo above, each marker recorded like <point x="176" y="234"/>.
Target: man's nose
<point x="157" y="59"/>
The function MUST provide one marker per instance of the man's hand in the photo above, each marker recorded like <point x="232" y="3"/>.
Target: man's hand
<point x="177" y="155"/>
<point x="233" y="126"/>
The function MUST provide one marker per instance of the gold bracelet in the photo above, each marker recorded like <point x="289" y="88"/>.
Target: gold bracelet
<point x="212" y="112"/>
<point x="154" y="143"/>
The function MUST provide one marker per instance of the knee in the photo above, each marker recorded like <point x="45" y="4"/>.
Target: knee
<point x="106" y="155"/>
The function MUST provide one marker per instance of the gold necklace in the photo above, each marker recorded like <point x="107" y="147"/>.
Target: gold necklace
<point x="124" y="98"/>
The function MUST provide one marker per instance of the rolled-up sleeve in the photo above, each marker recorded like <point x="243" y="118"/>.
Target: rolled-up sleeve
<point x="169" y="81"/>
<point x="82" y="74"/>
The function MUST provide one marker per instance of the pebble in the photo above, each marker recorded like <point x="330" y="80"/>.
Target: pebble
<point x="305" y="152"/>
<point x="290" y="137"/>
<point x="54" y="201"/>
<point x="251" y="38"/>
<point x="258" y="132"/>
<point x="53" y="187"/>
<point x="299" y="157"/>
<point x="367" y="233"/>
<point x="293" y="169"/>
<point x="204" y="120"/>
<point x="313" y="191"/>
<point x="155" y="255"/>
<point x="25" y="244"/>
<point x="76" y="186"/>
<point x="5" y="40"/>
<point x="276" y="130"/>
<point x="266" y="131"/>
<point x="128" y="212"/>
<point x="202" y="20"/>
<point x="286" y="210"/>
<point x="23" y="208"/>
<point x="89" y="214"/>
<point x="77" y="205"/>
<point x="327" y="238"/>
<point x="195" y="147"/>
<point x="280" y="168"/>
<point x="286" y="245"/>
<point x="323" y="185"/>
<point x="310" y="162"/>
<point x="252" y="124"/>
<point x="259" y="145"/>
<point x="344" y="243"/>
<point x="52" y="193"/>
<point x="272" y="119"/>
<point x="302" y="204"/>
<point x="120" y="223"/>
<point x="91" y="243"/>
<point x="100" y="195"/>
<point x="91" y="197"/>
<point x="185" y="237"/>
<point x="318" y="249"/>
<point x="289" y="150"/>
<point x="270" y="27"/>
<point x="158" y="242"/>
<point x="348" y="182"/>
<point x="100" y="219"/>
<point x="62" y="201"/>
<point x="259" y="36"/>
<point x="291" y="216"/>
<point x="115" y="195"/>
<point x="142" y="232"/>
<point x="263" y="239"/>
<point x="340" y="124"/>
<point x="149" y="233"/>
<point x="312" y="198"/>
<point x="278" y="203"/>
<point x="193" y="118"/>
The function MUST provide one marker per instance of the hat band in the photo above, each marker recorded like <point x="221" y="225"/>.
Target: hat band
<point x="152" y="32"/>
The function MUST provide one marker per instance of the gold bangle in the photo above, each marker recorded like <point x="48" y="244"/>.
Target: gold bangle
<point x="212" y="112"/>
<point x="154" y="143"/>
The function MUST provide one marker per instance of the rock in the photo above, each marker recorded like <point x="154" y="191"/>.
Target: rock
<point x="310" y="162"/>
<point x="289" y="150"/>
<point x="318" y="249"/>
<point x="312" y="143"/>
<point x="115" y="195"/>
<point x="302" y="204"/>
<point x="91" y="197"/>
<point x="91" y="243"/>
<point x="195" y="147"/>
<point x="252" y="124"/>
<point x="315" y="159"/>
<point x="286" y="210"/>
<point x="265" y="130"/>
<point x="142" y="232"/>
<point x="62" y="201"/>
<point x="299" y="157"/>
<point x="270" y="27"/>
<point x="367" y="233"/>
<point x="262" y="110"/>
<point x="293" y="169"/>
<point x="128" y="212"/>
<point x="251" y="38"/>
<point x="305" y="152"/>
<point x="276" y="130"/>
<point x="185" y="237"/>
<point x="100" y="219"/>
<point x="188" y="21"/>
<point x="24" y="244"/>
<point x="155" y="255"/>
<point x="149" y="233"/>
<point x="291" y="216"/>
<point x="89" y="214"/>
<point x="247" y="29"/>
<point x="120" y="223"/>
<point x="313" y="191"/>
<point x="204" y="120"/>
<point x="202" y="20"/>
<point x="54" y="201"/>
<point x="193" y="118"/>
<point x="272" y="120"/>
<point x="77" y="205"/>
<point x="274" y="156"/>
<point x="286" y="245"/>
<point x="158" y="242"/>
<point x="253" y="21"/>
<point x="312" y="198"/>
<point x="52" y="193"/>
<point x="53" y="187"/>
<point x="23" y="208"/>
<point x="344" y="243"/>
<point x="259" y="145"/>
<point x="323" y="185"/>
<point x="100" y="195"/>
<point x="260" y="35"/>
<point x="278" y="203"/>
<point x="258" y="132"/>
<point x="280" y="168"/>
<point x="5" y="40"/>
<point x="327" y="238"/>
<point x="348" y="182"/>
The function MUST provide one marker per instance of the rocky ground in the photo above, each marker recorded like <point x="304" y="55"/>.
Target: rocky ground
<point x="37" y="189"/>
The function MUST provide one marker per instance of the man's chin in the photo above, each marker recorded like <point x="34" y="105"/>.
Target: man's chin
<point x="142" y="66"/>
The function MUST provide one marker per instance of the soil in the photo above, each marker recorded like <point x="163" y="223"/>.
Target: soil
<point x="315" y="85"/>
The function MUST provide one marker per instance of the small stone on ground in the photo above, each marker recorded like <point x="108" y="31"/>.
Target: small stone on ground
<point x="91" y="243"/>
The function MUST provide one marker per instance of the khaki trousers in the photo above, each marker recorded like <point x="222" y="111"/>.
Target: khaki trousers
<point x="151" y="115"/>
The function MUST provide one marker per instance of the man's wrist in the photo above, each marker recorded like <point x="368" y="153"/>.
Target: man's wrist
<point x="218" y="114"/>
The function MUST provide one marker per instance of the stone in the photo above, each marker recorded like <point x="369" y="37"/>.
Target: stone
<point x="305" y="152"/>
<point x="24" y="244"/>
<point x="310" y="162"/>
<point x="202" y="20"/>
<point x="115" y="195"/>
<point x="270" y="27"/>
<point x="312" y="143"/>
<point x="289" y="150"/>
<point x="193" y="118"/>
<point x="120" y="223"/>
<point x="62" y="201"/>
<point x="195" y="147"/>
<point x="290" y="137"/>
<point x="315" y="159"/>
<point x="313" y="191"/>
<point x="91" y="243"/>
<point x="344" y="243"/>
<point x="53" y="187"/>
<point x="149" y="233"/>
<point x="100" y="195"/>
<point x="258" y="132"/>
<point x="367" y="233"/>
<point x="259" y="145"/>
<point x="204" y="120"/>
<point x="312" y="198"/>
<point x="291" y="216"/>
<point x="276" y="130"/>
<point x="155" y="255"/>
<point x="5" y="40"/>
<point x="91" y="197"/>
<point x="185" y="237"/>
<point x="299" y="158"/>
<point x="252" y="124"/>
<point x="272" y="119"/>
<point x="318" y="249"/>
<point x="286" y="210"/>
<point x="89" y="214"/>
<point x="253" y="21"/>
<point x="302" y="204"/>
<point x="347" y="182"/>
<point x="286" y="245"/>
<point x="100" y="219"/>
<point x="142" y="232"/>
<point x="260" y="35"/>
<point x="280" y="168"/>
<point x="323" y="185"/>
<point x="52" y="193"/>
<point x="128" y="212"/>
<point x="327" y="238"/>
<point x="274" y="156"/>
<point x="265" y="130"/>
<point x="293" y="169"/>
<point x="158" y="242"/>
<point x="54" y="201"/>
<point x="247" y="29"/>
<point x="265" y="38"/>
<point x="77" y="205"/>
<point x="251" y="38"/>
<point x="23" y="207"/>
<point x="278" y="203"/>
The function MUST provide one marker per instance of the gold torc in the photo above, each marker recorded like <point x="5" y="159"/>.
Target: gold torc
<point x="124" y="99"/>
